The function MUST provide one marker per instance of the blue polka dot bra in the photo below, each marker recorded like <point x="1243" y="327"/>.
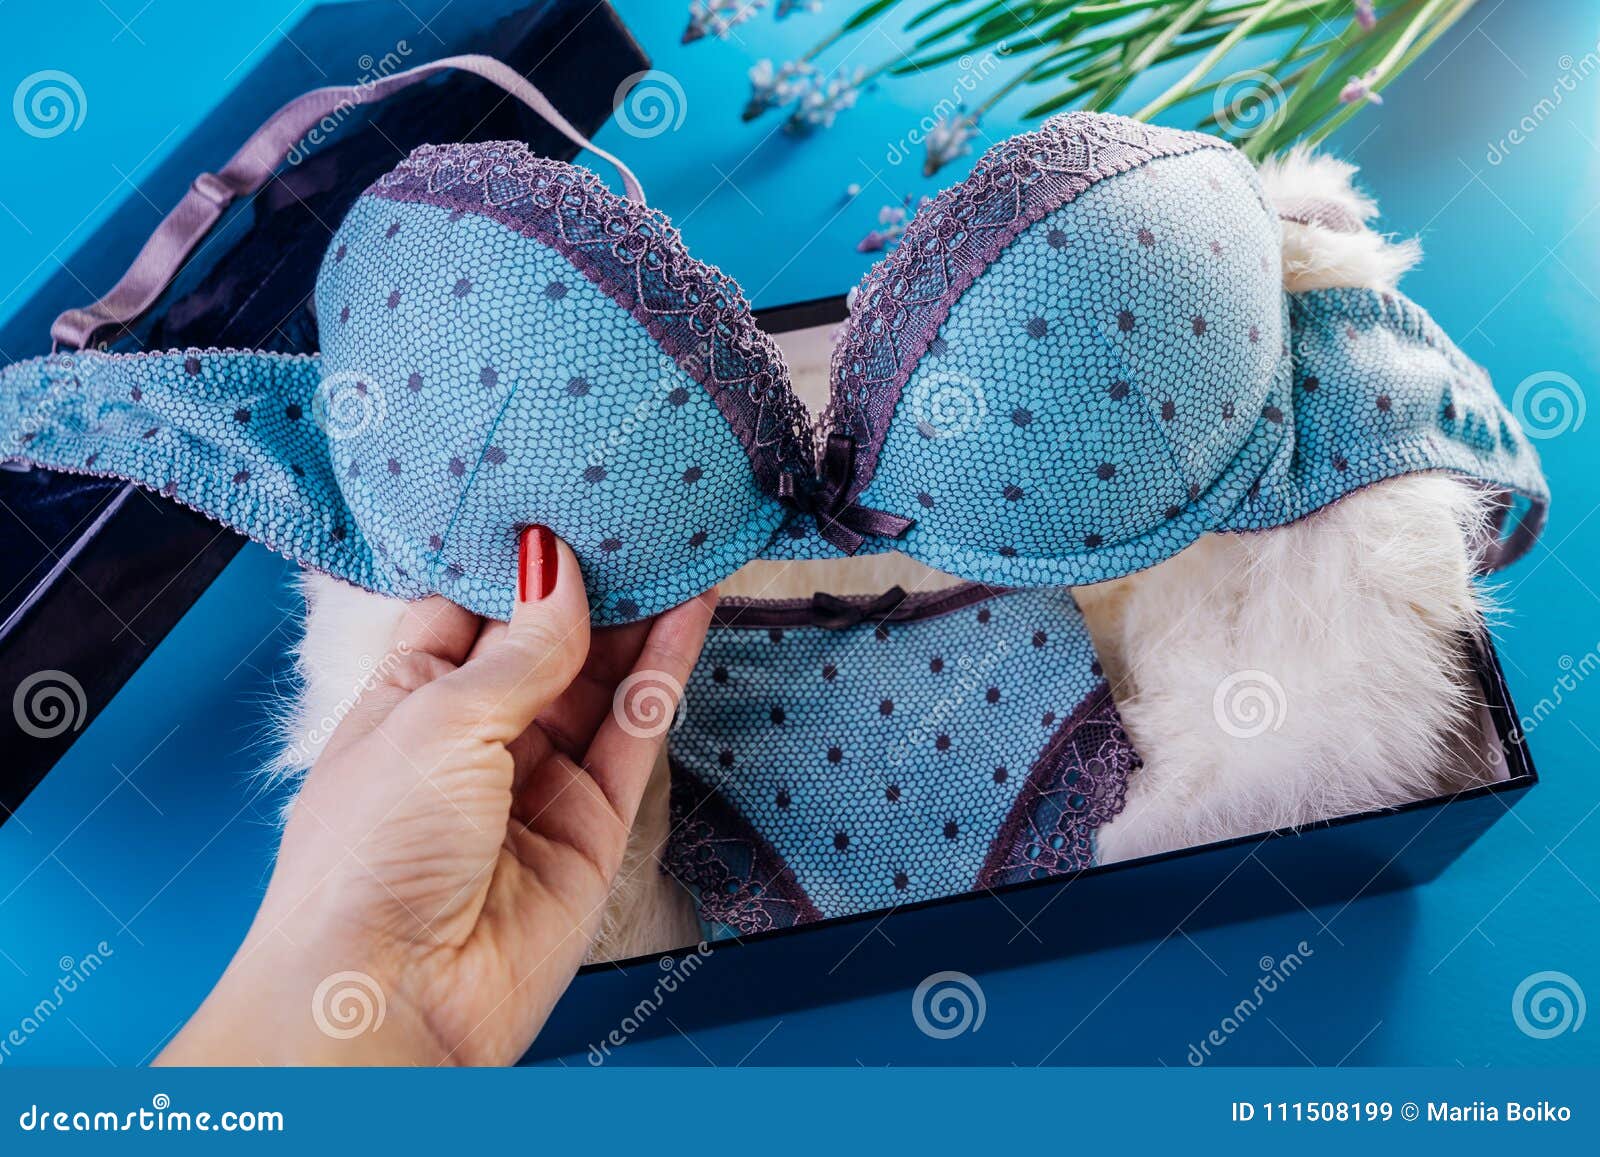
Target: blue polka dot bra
<point x="1076" y="362"/>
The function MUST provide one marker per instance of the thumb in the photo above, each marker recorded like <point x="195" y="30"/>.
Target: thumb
<point x="502" y="687"/>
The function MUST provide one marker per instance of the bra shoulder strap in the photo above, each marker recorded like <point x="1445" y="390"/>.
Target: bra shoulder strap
<point x="252" y="166"/>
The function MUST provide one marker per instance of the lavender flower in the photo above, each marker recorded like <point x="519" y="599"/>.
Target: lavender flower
<point x="823" y="100"/>
<point x="1360" y="88"/>
<point x="718" y="17"/>
<point x="771" y="87"/>
<point x="947" y="140"/>
<point x="892" y="221"/>
<point x="789" y="7"/>
<point x="1365" y="16"/>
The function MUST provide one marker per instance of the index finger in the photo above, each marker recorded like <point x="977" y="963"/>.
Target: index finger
<point x="625" y="747"/>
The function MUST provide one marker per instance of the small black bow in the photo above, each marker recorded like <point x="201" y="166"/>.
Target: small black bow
<point x="835" y="614"/>
<point x="843" y="521"/>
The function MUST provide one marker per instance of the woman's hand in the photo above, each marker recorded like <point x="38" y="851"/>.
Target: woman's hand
<point x="446" y="862"/>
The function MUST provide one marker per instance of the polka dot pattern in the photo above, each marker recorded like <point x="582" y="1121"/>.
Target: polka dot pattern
<point x="1380" y="391"/>
<point x="862" y="773"/>
<point x="1126" y="353"/>
<point x="442" y="488"/>
<point x="227" y="433"/>
<point x="1113" y="374"/>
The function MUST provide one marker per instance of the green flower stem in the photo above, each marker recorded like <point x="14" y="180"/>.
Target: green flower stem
<point x="1210" y="60"/>
<point x="1276" y="127"/>
<point x="1393" y="66"/>
<point x="1087" y="53"/>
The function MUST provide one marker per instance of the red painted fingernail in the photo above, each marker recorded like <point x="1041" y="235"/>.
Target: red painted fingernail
<point x="536" y="563"/>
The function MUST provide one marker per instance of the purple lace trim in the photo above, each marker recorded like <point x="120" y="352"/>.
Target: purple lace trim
<point x="738" y="878"/>
<point x="1079" y="782"/>
<point x="905" y="298"/>
<point x="632" y="252"/>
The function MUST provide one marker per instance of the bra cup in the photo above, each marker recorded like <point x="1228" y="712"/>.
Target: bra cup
<point x="477" y="382"/>
<point x="1086" y="396"/>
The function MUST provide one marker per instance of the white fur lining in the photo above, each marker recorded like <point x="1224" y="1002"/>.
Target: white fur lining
<point x="1345" y="627"/>
<point x="1319" y="258"/>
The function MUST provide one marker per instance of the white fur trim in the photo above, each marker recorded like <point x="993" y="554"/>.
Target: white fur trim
<point x="347" y="632"/>
<point x="1276" y="678"/>
<point x="1315" y="257"/>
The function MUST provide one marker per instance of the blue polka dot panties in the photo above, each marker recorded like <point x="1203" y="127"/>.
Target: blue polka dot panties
<point x="871" y="753"/>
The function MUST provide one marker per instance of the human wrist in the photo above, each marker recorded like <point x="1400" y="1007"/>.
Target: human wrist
<point x="307" y="997"/>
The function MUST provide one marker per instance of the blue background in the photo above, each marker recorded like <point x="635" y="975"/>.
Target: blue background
<point x="151" y="837"/>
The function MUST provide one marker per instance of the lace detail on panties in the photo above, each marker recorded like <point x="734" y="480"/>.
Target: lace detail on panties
<point x="743" y="884"/>
<point x="695" y="312"/>
<point x="904" y="299"/>
<point x="739" y="880"/>
<point x="1079" y="783"/>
